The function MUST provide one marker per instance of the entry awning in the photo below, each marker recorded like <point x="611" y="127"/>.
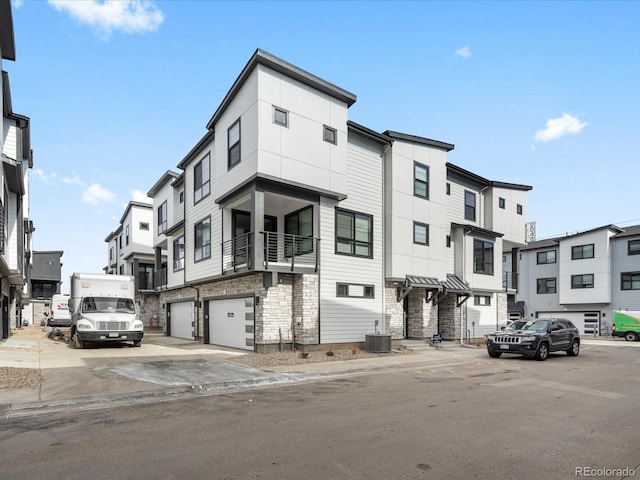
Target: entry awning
<point x="455" y="286"/>
<point x="431" y="285"/>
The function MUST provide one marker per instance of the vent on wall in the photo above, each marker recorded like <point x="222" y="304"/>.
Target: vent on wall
<point x="377" y="343"/>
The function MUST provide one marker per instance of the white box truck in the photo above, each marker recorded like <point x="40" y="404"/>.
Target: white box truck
<point x="103" y="309"/>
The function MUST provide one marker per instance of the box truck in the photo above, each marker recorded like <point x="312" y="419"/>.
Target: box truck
<point x="103" y="309"/>
<point x="626" y="324"/>
<point x="59" y="316"/>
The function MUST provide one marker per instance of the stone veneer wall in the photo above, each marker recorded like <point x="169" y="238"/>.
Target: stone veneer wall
<point x="423" y="316"/>
<point x="450" y="318"/>
<point x="149" y="308"/>
<point x="306" y="309"/>
<point x="394" y="313"/>
<point x="503" y="303"/>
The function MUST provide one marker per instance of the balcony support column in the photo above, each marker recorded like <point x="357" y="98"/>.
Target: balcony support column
<point x="257" y="226"/>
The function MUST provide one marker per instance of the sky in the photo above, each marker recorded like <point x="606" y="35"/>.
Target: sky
<point x="536" y="93"/>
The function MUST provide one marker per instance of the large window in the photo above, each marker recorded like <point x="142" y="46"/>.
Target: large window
<point x="233" y="142"/>
<point x="633" y="247"/>
<point x="630" y="281"/>
<point x="582" y="281"/>
<point x="582" y="251"/>
<point x="420" y="180"/>
<point x="483" y="257"/>
<point x="201" y="180"/>
<point x="299" y="223"/>
<point x="546" y="257"/>
<point x="546" y="285"/>
<point x="354" y="233"/>
<point x="162" y="218"/>
<point x="178" y="254"/>
<point x="469" y="205"/>
<point x="420" y="233"/>
<point x="202" y="247"/>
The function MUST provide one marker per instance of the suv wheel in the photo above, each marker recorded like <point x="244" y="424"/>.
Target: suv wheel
<point x="543" y="352"/>
<point x="631" y="336"/>
<point x="493" y="354"/>
<point x="575" y="349"/>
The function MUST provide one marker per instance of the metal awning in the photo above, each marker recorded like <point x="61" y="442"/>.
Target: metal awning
<point x="455" y="286"/>
<point x="432" y="287"/>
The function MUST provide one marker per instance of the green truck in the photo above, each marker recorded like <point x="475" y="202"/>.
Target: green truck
<point x="626" y="324"/>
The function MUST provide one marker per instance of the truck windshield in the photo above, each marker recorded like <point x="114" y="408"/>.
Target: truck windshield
<point x="107" y="305"/>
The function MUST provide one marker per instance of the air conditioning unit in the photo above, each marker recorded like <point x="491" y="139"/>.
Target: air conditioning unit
<point x="377" y="343"/>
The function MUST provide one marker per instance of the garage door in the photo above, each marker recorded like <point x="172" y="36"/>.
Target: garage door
<point x="181" y="320"/>
<point x="231" y="323"/>
<point x="587" y="322"/>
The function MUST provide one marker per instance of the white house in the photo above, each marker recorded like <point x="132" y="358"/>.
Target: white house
<point x="292" y="224"/>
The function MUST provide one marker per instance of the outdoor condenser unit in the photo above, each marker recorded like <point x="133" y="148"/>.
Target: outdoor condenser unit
<point x="377" y="343"/>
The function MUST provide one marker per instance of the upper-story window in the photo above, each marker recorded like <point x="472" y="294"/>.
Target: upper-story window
<point x="630" y="281"/>
<point x="483" y="257"/>
<point x="420" y="180"/>
<point x="126" y="237"/>
<point x="448" y="188"/>
<point x="354" y="233"/>
<point x="299" y="224"/>
<point x="111" y="253"/>
<point x="330" y="135"/>
<point x="469" y="205"/>
<point x="582" y="281"/>
<point x="120" y="242"/>
<point x="633" y="247"/>
<point x="519" y="209"/>
<point x="202" y="244"/>
<point x="546" y="285"/>
<point x="546" y="257"/>
<point x="582" y="251"/>
<point x="280" y="117"/>
<point x="233" y="141"/>
<point x="162" y="218"/>
<point x="501" y="202"/>
<point x="420" y="233"/>
<point x="144" y="226"/>
<point x="201" y="179"/>
<point x="178" y="254"/>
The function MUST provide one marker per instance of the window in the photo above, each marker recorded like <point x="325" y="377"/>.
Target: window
<point x="121" y="270"/>
<point x="582" y="281"/>
<point x="501" y="202"/>
<point x="202" y="248"/>
<point x="630" y="281"/>
<point x="162" y="218"/>
<point x="469" y="205"/>
<point x="519" y="209"/>
<point x="420" y="233"/>
<point x="355" y="290"/>
<point x="126" y="235"/>
<point x="448" y="241"/>
<point x="546" y="285"/>
<point x="178" y="254"/>
<point x="582" y="251"/>
<point x="181" y="197"/>
<point x="120" y="242"/>
<point x="546" y="257"/>
<point x="299" y="223"/>
<point x="111" y="253"/>
<point x="482" y="300"/>
<point x="483" y="257"/>
<point x="144" y="226"/>
<point x="633" y="247"/>
<point x="233" y="142"/>
<point x="280" y="117"/>
<point x="420" y="180"/>
<point x="354" y="234"/>
<point x="201" y="180"/>
<point x="448" y="188"/>
<point x="330" y="135"/>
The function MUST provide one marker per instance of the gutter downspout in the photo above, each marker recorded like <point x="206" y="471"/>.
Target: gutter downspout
<point x="465" y="232"/>
<point x="384" y="232"/>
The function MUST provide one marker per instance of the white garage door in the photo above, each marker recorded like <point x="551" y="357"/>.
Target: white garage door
<point x="181" y="319"/>
<point x="231" y="323"/>
<point x="587" y="322"/>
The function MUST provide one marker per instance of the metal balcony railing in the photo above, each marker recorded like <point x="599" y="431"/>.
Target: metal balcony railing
<point x="160" y="279"/>
<point x="237" y="252"/>
<point x="509" y="281"/>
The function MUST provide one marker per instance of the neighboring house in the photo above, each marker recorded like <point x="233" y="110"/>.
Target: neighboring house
<point x="291" y="224"/>
<point x="17" y="159"/>
<point x="131" y="252"/>
<point x="45" y="281"/>
<point x="582" y="277"/>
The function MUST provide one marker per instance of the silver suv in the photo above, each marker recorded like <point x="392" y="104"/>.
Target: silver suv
<point x="536" y="338"/>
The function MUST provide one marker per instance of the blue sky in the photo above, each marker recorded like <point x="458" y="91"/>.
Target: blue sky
<point x="537" y="93"/>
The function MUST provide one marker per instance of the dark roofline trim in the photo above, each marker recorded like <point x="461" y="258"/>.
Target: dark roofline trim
<point x="420" y="140"/>
<point x="484" y="181"/>
<point x="135" y="204"/>
<point x="7" y="38"/>
<point x="261" y="57"/>
<point x="368" y="133"/>
<point x="164" y="179"/>
<point x="210" y="135"/>
<point x="473" y="228"/>
<point x="174" y="228"/>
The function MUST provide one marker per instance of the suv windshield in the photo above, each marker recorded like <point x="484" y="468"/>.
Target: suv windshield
<point x="107" y="305"/>
<point x="537" y="325"/>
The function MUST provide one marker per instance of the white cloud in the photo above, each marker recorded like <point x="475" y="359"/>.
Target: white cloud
<point x="141" y="197"/>
<point x="128" y="16"/>
<point x="464" y="52"/>
<point x="42" y="175"/>
<point x="559" y="127"/>
<point x="75" y="180"/>
<point x="96" y="194"/>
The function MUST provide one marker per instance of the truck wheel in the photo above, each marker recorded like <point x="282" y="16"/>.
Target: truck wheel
<point x="631" y="336"/>
<point x="137" y="343"/>
<point x="543" y="352"/>
<point x="78" y="343"/>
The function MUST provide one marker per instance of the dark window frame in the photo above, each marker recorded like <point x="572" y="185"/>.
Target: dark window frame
<point x="470" y="210"/>
<point x="548" y="285"/>
<point x="484" y="265"/>
<point x="632" y="278"/>
<point x="234" y="151"/>
<point x="201" y="187"/>
<point x="178" y="262"/>
<point x="418" y="184"/>
<point x="306" y="245"/>
<point x="278" y="110"/>
<point x="342" y="290"/>
<point x="352" y="241"/>
<point x="633" y="247"/>
<point x="162" y="218"/>
<point x="519" y="209"/>
<point x="332" y="138"/>
<point x="578" y="251"/>
<point x="482" y="300"/>
<point x="426" y="226"/>
<point x="578" y="285"/>
<point x="546" y="257"/>
<point x="203" y="248"/>
<point x="501" y="203"/>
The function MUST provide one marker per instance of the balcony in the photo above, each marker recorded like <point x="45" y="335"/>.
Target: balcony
<point x="509" y="281"/>
<point x="282" y="252"/>
<point x="160" y="279"/>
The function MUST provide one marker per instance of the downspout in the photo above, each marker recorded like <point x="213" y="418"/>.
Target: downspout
<point x="197" y="311"/>
<point x="384" y="232"/>
<point x="464" y="276"/>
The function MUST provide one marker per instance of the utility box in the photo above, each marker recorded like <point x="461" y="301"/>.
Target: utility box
<point x="377" y="343"/>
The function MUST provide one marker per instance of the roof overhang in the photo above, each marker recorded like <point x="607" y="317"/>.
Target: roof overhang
<point x="431" y="285"/>
<point x="7" y="39"/>
<point x="474" y="229"/>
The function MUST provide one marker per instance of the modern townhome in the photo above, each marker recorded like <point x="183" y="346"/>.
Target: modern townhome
<point x="17" y="159"/>
<point x="582" y="277"/>
<point x="290" y="224"/>
<point x="131" y="252"/>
